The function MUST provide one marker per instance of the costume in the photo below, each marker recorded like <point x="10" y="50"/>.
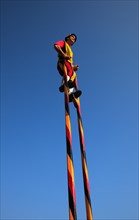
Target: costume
<point x="68" y="63"/>
<point x="65" y="65"/>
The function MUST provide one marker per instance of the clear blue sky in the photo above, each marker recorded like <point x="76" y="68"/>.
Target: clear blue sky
<point x="33" y="147"/>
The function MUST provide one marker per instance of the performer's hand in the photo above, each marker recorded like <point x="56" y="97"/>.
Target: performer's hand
<point x="66" y="57"/>
<point x="75" y="68"/>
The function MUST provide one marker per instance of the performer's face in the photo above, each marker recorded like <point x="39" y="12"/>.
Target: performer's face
<point x="72" y="39"/>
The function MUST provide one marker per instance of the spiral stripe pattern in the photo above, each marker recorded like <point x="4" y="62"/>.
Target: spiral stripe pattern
<point x="70" y="167"/>
<point x="89" y="213"/>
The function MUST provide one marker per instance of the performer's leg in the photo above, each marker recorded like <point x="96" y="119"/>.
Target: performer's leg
<point x="66" y="71"/>
<point x="62" y="69"/>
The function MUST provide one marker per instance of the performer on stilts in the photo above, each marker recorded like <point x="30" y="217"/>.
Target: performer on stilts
<point x="69" y="86"/>
<point x="65" y="59"/>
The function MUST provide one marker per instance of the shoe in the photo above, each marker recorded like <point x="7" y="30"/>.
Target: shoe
<point x="77" y="93"/>
<point x="61" y="88"/>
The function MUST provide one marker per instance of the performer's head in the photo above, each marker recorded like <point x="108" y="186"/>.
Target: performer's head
<point x="71" y="39"/>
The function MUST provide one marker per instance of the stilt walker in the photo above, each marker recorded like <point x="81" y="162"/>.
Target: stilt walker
<point x="71" y="94"/>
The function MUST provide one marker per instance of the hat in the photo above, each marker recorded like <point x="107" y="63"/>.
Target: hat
<point x="70" y="35"/>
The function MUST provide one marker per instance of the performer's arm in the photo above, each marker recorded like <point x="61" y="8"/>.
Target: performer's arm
<point x="58" y="47"/>
<point x="60" y="52"/>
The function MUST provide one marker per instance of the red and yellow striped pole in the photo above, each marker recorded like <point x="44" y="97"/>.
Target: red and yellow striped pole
<point x="89" y="213"/>
<point x="70" y="167"/>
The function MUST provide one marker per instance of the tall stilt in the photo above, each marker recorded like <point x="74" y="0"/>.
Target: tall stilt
<point x="89" y="213"/>
<point x="70" y="167"/>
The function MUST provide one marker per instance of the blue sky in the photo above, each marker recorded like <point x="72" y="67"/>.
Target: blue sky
<point x="33" y="147"/>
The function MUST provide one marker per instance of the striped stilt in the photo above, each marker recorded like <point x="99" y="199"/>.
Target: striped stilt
<point x="70" y="167"/>
<point x="89" y="213"/>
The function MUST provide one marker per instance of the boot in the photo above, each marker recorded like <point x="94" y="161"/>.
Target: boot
<point x="74" y="94"/>
<point x="61" y="88"/>
<point x="77" y="93"/>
